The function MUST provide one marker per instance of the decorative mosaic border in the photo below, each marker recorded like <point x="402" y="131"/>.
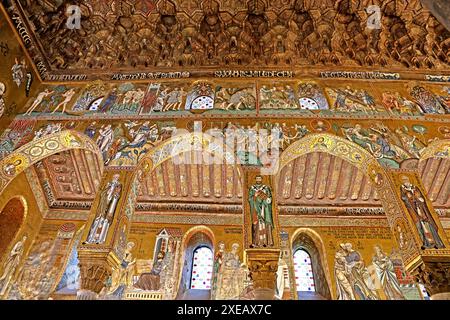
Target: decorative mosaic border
<point x="235" y="220"/>
<point x="299" y="221"/>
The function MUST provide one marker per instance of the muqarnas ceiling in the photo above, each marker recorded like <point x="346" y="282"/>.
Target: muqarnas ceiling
<point x="168" y="34"/>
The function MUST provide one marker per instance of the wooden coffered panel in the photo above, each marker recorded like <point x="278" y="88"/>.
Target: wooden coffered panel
<point x="320" y="179"/>
<point x="196" y="36"/>
<point x="70" y="176"/>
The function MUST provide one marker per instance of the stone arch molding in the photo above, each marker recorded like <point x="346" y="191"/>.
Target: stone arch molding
<point x="337" y="146"/>
<point x="364" y="161"/>
<point x="37" y="150"/>
<point x="180" y="144"/>
<point x="318" y="243"/>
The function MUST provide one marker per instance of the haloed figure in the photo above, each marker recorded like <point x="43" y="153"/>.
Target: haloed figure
<point x="418" y="209"/>
<point x="260" y="199"/>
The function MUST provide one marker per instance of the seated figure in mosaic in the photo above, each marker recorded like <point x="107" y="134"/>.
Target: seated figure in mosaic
<point x="152" y="281"/>
<point x="232" y="276"/>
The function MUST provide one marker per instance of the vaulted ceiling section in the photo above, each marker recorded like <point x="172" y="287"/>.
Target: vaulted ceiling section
<point x="307" y="184"/>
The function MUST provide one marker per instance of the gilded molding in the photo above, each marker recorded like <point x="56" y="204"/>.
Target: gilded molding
<point x="39" y="196"/>
<point x="302" y="221"/>
<point x="39" y="149"/>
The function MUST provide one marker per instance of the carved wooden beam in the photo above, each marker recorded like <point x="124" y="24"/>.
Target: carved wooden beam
<point x="440" y="9"/>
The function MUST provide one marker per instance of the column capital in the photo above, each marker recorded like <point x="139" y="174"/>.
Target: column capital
<point x="434" y="274"/>
<point x="104" y="242"/>
<point x="263" y="267"/>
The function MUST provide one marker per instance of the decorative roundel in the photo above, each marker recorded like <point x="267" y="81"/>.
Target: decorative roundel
<point x="15" y="164"/>
<point x="67" y="227"/>
<point x="445" y="131"/>
<point x="52" y="145"/>
<point x="203" y="103"/>
<point x="36" y="151"/>
<point x="308" y="104"/>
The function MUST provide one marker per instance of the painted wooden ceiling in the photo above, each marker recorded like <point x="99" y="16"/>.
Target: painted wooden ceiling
<point x="193" y="35"/>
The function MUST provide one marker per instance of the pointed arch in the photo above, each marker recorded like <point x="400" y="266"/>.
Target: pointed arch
<point x="379" y="176"/>
<point x="13" y="216"/>
<point x="188" y="245"/>
<point x="334" y="145"/>
<point x="201" y="271"/>
<point x="37" y="150"/>
<point x="196" y="141"/>
<point x="316" y="250"/>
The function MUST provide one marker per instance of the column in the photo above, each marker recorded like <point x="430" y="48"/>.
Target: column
<point x="420" y="236"/>
<point x="261" y="232"/>
<point x="105" y="237"/>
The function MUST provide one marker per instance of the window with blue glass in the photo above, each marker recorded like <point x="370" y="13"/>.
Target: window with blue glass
<point x="304" y="277"/>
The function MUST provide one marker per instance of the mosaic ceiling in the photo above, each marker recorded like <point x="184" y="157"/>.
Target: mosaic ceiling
<point x="158" y="35"/>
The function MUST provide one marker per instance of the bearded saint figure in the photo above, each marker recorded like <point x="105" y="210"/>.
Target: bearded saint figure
<point x="260" y="199"/>
<point x="414" y="201"/>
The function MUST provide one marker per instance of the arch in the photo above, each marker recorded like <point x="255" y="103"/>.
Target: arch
<point x="188" y="246"/>
<point x="12" y="217"/>
<point x="195" y="141"/>
<point x="198" y="229"/>
<point x="300" y="270"/>
<point x="334" y="145"/>
<point x="377" y="174"/>
<point x="37" y="150"/>
<point x="316" y="249"/>
<point x="201" y="274"/>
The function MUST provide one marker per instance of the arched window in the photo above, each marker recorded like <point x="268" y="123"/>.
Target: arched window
<point x="202" y="268"/>
<point x="11" y="218"/>
<point x="304" y="277"/>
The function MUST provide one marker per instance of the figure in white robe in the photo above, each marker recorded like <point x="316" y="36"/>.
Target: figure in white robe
<point x="232" y="275"/>
<point x="386" y="274"/>
<point x="342" y="276"/>
<point x="105" y="212"/>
